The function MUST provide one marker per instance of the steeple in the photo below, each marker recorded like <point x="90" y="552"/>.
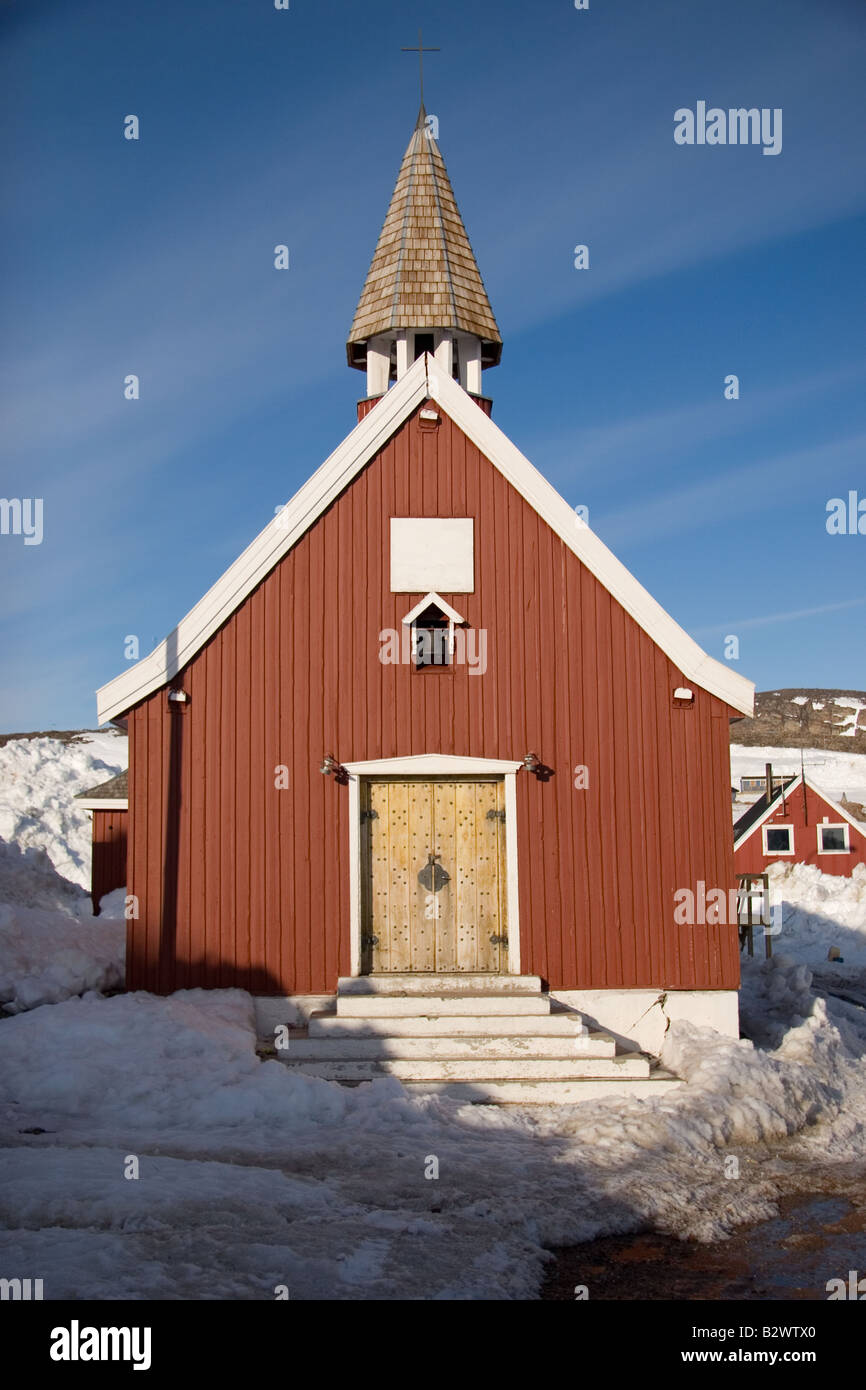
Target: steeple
<point x="423" y="290"/>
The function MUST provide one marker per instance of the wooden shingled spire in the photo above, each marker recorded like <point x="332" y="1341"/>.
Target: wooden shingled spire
<point x="423" y="273"/>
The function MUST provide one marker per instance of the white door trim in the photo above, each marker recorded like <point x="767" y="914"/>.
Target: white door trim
<point x="443" y="766"/>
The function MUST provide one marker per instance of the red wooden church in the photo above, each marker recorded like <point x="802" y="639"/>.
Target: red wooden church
<point x="524" y="755"/>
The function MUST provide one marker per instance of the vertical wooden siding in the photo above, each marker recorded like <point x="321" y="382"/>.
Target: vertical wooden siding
<point x="241" y="883"/>
<point x="108" y="870"/>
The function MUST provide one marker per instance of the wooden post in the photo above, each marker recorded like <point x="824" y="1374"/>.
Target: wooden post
<point x="766" y="915"/>
<point x="746" y="929"/>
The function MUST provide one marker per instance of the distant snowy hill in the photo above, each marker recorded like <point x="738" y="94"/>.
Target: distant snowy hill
<point x="824" y="728"/>
<point x="825" y="719"/>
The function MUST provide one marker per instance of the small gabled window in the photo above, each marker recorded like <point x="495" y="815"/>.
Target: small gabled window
<point x="431" y="623"/>
<point x="833" y="839"/>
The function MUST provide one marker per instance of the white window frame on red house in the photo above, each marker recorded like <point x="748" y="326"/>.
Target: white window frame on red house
<point x="773" y="825"/>
<point x="834" y="825"/>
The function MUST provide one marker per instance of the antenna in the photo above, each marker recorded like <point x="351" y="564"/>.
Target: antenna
<point x="803" y="783"/>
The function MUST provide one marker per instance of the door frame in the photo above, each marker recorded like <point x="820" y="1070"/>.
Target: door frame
<point x="441" y="767"/>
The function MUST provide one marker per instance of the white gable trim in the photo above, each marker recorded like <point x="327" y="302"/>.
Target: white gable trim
<point x="789" y="790"/>
<point x="103" y="803"/>
<point x="422" y="381"/>
<point x="436" y="599"/>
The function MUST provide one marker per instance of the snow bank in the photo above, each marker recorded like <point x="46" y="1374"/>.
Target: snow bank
<point x="819" y="911"/>
<point x="39" y="779"/>
<point x="252" y="1175"/>
<point x="51" y="946"/>
<point x="183" y="1063"/>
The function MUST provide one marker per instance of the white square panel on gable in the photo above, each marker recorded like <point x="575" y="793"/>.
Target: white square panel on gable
<point x="432" y="552"/>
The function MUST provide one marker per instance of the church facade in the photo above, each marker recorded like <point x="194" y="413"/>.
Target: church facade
<point x="427" y="724"/>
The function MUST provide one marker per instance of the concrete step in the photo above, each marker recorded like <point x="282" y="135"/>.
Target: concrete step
<point x="491" y="1069"/>
<point x="449" y="1005"/>
<point x="545" y="1092"/>
<point x="351" y="1047"/>
<point x="452" y="982"/>
<point x="560" y="1025"/>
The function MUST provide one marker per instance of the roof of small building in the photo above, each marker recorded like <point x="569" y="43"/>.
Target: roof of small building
<point x="757" y="808"/>
<point x="423" y="273"/>
<point x="115" y="789"/>
<point x="763" y="807"/>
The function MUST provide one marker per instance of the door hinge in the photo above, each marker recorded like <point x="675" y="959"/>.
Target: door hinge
<point x="496" y="815"/>
<point x="498" y="940"/>
<point x="369" y="815"/>
<point x="367" y="940"/>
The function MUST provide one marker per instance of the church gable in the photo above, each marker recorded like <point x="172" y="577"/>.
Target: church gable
<point x="422" y="384"/>
<point x="335" y="640"/>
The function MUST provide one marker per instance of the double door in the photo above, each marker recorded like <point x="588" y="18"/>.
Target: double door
<point x="433" y="875"/>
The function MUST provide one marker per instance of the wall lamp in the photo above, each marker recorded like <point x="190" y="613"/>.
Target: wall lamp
<point x="532" y="762"/>
<point x="330" y="765"/>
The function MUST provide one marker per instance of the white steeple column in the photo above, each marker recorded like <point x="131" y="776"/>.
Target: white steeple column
<point x="402" y="353"/>
<point x="470" y="365"/>
<point x="378" y="366"/>
<point x="443" y="353"/>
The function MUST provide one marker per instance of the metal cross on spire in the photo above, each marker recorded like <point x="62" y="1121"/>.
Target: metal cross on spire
<point x="421" y="50"/>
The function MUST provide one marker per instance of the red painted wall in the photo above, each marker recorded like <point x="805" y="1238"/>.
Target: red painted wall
<point x="243" y="884"/>
<point x="750" y="857"/>
<point x="108" y="869"/>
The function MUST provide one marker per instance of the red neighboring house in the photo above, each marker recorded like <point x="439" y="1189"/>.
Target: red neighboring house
<point x="525" y="755"/>
<point x="799" y="824"/>
<point x="109" y="806"/>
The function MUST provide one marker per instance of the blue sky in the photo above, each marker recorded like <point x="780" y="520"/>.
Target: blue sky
<point x="261" y="127"/>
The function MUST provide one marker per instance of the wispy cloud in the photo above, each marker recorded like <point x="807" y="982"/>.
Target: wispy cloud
<point x="769" y="483"/>
<point x="625" y="447"/>
<point x="739" y="624"/>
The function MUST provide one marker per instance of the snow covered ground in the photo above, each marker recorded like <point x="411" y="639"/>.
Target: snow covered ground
<point x="250" y="1177"/>
<point x="146" y="1151"/>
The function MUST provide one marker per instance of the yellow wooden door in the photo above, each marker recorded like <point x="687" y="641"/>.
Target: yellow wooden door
<point x="433" y="882"/>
